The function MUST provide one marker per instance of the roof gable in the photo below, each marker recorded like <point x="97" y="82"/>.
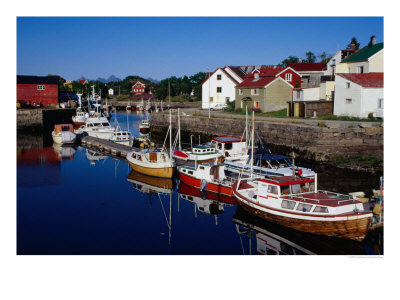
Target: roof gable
<point x="365" y="79"/>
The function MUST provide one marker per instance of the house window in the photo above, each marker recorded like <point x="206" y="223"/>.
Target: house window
<point x="256" y="75"/>
<point x="288" y="77"/>
<point x="240" y="92"/>
<point x="380" y="103"/>
<point x="254" y="91"/>
<point x="361" y="69"/>
<point x="219" y="89"/>
<point x="219" y="77"/>
<point x="349" y="101"/>
<point x="348" y="85"/>
<point x="227" y="99"/>
<point x="298" y="94"/>
<point x="211" y="99"/>
<point x="40" y="87"/>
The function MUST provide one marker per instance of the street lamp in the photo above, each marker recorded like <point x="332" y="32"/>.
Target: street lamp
<point x="209" y="102"/>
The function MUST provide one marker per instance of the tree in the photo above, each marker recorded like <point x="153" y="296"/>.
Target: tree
<point x="289" y="60"/>
<point x="353" y="44"/>
<point x="196" y="80"/>
<point x="310" y="57"/>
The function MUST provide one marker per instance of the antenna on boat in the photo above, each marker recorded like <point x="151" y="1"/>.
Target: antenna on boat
<point x="179" y="130"/>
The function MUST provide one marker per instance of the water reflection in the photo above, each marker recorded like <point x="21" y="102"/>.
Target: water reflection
<point x="95" y="157"/>
<point x="151" y="185"/>
<point x="64" y="152"/>
<point x="274" y="239"/>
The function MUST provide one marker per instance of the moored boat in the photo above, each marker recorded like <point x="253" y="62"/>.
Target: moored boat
<point x="122" y="137"/>
<point x="144" y="126"/>
<point x="63" y="134"/>
<point x="200" y="154"/>
<point x="97" y="127"/>
<point x="296" y="202"/>
<point x="155" y="163"/>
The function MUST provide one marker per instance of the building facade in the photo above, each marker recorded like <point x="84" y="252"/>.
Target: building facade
<point x="138" y="88"/>
<point x="39" y="90"/>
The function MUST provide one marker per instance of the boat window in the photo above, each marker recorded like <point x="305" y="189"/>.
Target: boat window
<point x="65" y="128"/>
<point x="296" y="188"/>
<point x="105" y="124"/>
<point x="90" y="125"/>
<point x="288" y="204"/>
<point x="228" y="146"/>
<point x="118" y="133"/>
<point x="190" y="172"/>
<point x="321" y="209"/>
<point x="219" y="146"/>
<point x="190" y="198"/>
<point x="272" y="189"/>
<point x="201" y="168"/>
<point x="184" y="170"/>
<point x="285" y="190"/>
<point x="204" y="150"/>
<point x="304" y="207"/>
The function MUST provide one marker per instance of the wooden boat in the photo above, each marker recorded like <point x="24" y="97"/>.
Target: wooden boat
<point x="80" y="118"/>
<point x="207" y="176"/>
<point x="186" y="189"/>
<point x="151" y="162"/>
<point x="63" y="134"/>
<point x="144" y="126"/>
<point x="295" y="202"/>
<point x="122" y="137"/>
<point x="233" y="148"/>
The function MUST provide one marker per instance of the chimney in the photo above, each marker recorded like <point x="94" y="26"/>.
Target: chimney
<point x="372" y="41"/>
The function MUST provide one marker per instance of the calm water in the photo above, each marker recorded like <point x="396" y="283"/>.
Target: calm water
<point x="72" y="201"/>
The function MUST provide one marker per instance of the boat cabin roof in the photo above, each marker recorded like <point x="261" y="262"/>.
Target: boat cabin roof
<point x="228" y="139"/>
<point x="287" y="180"/>
<point x="192" y="166"/>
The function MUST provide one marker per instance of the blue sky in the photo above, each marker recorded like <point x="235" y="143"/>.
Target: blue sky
<point x="160" y="47"/>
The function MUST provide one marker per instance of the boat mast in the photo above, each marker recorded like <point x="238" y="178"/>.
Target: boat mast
<point x="179" y="130"/>
<point x="170" y="135"/>
<point x="247" y="132"/>
<point x="252" y="146"/>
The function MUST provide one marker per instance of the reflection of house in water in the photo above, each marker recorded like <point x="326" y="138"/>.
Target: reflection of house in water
<point x="38" y="167"/>
<point x="273" y="239"/>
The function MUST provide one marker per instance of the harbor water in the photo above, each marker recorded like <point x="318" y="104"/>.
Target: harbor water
<point x="71" y="200"/>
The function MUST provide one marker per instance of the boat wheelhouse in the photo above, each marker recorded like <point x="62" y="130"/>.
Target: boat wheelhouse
<point x="122" y="137"/>
<point x="63" y="134"/>
<point x="144" y="126"/>
<point x="97" y="127"/>
<point x="200" y="154"/>
<point x="297" y="203"/>
<point x="231" y="147"/>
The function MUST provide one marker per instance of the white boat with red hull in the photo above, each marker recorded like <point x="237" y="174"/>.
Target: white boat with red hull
<point x="295" y="202"/>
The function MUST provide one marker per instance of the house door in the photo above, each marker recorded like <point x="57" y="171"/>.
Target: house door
<point x="291" y="109"/>
<point x="302" y="110"/>
<point x="257" y="104"/>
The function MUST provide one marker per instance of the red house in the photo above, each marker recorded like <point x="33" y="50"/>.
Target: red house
<point x="37" y="90"/>
<point x="138" y="88"/>
<point x="288" y="74"/>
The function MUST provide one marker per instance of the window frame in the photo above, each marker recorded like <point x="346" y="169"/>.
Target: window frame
<point x="219" y="89"/>
<point x="288" y="76"/>
<point x="254" y="92"/>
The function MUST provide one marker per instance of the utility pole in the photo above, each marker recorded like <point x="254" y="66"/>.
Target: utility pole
<point x="209" y="102"/>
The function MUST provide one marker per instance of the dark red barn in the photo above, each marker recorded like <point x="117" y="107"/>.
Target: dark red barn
<point x="37" y="90"/>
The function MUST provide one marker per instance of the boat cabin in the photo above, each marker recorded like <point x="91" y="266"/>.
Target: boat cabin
<point x="208" y="171"/>
<point x="152" y="157"/>
<point x="201" y="149"/>
<point x="63" y="127"/>
<point x="230" y="146"/>
<point x="122" y="135"/>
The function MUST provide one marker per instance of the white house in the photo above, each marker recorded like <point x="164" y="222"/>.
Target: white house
<point x="306" y="94"/>
<point x="219" y="88"/>
<point x="337" y="59"/>
<point x="111" y="91"/>
<point x="358" y="95"/>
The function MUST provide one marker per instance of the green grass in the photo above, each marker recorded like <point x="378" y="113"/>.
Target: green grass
<point x="364" y="159"/>
<point x="275" y="114"/>
<point x="340" y="118"/>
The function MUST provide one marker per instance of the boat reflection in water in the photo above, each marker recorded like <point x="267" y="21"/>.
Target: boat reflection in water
<point x="157" y="187"/>
<point x="94" y="156"/>
<point x="64" y="152"/>
<point x="204" y="201"/>
<point x="274" y="239"/>
<point x="151" y="185"/>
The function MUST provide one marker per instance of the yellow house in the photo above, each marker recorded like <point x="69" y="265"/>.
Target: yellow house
<point x="68" y="83"/>
<point x="366" y="60"/>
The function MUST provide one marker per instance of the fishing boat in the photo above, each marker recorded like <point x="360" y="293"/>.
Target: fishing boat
<point x="154" y="162"/>
<point x="207" y="176"/>
<point x="144" y="126"/>
<point x="200" y="154"/>
<point x="295" y="201"/>
<point x="97" y="127"/>
<point x="232" y="148"/>
<point x="63" y="134"/>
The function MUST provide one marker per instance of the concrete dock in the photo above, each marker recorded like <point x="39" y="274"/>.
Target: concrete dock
<point x="104" y="146"/>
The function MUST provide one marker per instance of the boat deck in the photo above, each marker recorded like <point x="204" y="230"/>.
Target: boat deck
<point x="322" y="198"/>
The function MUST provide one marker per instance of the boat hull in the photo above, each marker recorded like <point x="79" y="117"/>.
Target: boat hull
<point x="354" y="229"/>
<point x="167" y="172"/>
<point x="212" y="187"/>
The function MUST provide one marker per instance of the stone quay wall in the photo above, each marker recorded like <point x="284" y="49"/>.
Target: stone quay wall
<point x="322" y="142"/>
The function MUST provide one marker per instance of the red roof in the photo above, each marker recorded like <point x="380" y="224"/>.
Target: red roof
<point x="364" y="79"/>
<point x="256" y="82"/>
<point x="270" y="71"/>
<point x="304" y="67"/>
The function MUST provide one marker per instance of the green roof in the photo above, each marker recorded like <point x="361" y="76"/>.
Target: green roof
<point x="364" y="53"/>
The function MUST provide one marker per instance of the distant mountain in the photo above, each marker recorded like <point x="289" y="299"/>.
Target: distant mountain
<point x="153" y="80"/>
<point x="112" y="78"/>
